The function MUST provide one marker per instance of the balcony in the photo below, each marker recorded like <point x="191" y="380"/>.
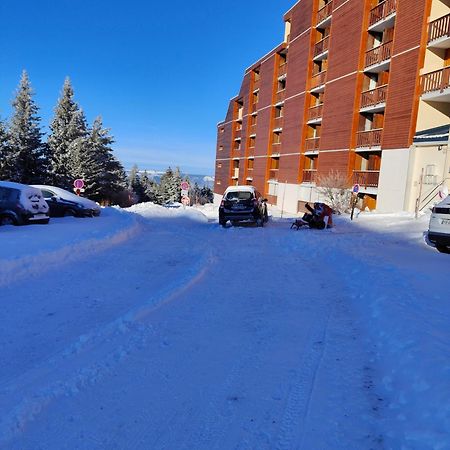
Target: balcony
<point x="374" y="100"/>
<point x="324" y="15"/>
<point x="282" y="70"/>
<point x="237" y="134"/>
<point x="252" y="129"/>
<point x="279" y="96"/>
<point x="366" y="178"/>
<point x="369" y="139"/>
<point x="315" y="114"/>
<point x="256" y="84"/>
<point x="278" y="123"/>
<point x="439" y="33"/>
<point x="309" y="176"/>
<point x="273" y="174"/>
<point x="383" y="16"/>
<point x="435" y="86"/>
<point x="253" y="108"/>
<point x="235" y="174"/>
<point x="318" y="82"/>
<point x="321" y="49"/>
<point x="378" y="58"/>
<point x="312" y="144"/>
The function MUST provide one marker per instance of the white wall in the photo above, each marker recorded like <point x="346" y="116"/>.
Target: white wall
<point x="393" y="180"/>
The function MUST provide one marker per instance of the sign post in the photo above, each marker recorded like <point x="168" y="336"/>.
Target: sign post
<point x="78" y="186"/>
<point x="185" y="200"/>
<point x="355" y="190"/>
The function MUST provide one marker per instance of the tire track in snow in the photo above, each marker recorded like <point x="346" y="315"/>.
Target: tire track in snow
<point x="64" y="374"/>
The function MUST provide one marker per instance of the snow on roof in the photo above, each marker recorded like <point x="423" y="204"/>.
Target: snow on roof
<point x="12" y="185"/>
<point x="245" y="188"/>
<point x="432" y="135"/>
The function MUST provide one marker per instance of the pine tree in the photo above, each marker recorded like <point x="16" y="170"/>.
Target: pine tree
<point x="67" y="139"/>
<point x="135" y="184"/>
<point x="150" y="188"/>
<point x="7" y="164"/>
<point x="27" y="158"/>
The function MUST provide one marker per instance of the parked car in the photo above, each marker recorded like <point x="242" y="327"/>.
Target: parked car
<point x="21" y="204"/>
<point x="439" y="227"/>
<point x="243" y="204"/>
<point x="65" y="203"/>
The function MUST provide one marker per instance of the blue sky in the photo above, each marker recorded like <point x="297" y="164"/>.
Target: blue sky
<point x="159" y="73"/>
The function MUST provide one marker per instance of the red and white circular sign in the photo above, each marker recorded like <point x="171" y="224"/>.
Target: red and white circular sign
<point x="78" y="183"/>
<point x="184" y="185"/>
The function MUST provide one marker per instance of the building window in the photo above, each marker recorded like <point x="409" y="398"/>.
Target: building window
<point x="276" y="139"/>
<point x="219" y="165"/>
<point x="220" y="148"/>
<point x="250" y="163"/>
<point x="222" y="129"/>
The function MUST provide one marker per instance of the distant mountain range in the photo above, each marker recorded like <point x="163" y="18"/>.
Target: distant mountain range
<point x="201" y="180"/>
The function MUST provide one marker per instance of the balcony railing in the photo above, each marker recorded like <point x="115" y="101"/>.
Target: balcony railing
<point x="235" y="174"/>
<point x="374" y="96"/>
<point x="312" y="144"/>
<point x="282" y="69"/>
<point x="321" y="46"/>
<point x="378" y="54"/>
<point x="439" y="28"/>
<point x="237" y="133"/>
<point x="280" y="95"/>
<point x="315" y="112"/>
<point x="324" y="12"/>
<point x="435" y="81"/>
<point x="273" y="174"/>
<point x="318" y="79"/>
<point x="256" y="84"/>
<point x="366" y="178"/>
<point x="382" y="11"/>
<point x="371" y="138"/>
<point x="252" y="129"/>
<point x="309" y="176"/>
<point x="278" y="122"/>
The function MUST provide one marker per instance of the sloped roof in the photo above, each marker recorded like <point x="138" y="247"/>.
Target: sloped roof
<point x="437" y="135"/>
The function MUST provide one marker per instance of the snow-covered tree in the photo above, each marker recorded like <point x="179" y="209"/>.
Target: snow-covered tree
<point x="7" y="164"/>
<point x="169" y="187"/>
<point x="67" y="138"/>
<point x="27" y="156"/>
<point x="150" y="188"/>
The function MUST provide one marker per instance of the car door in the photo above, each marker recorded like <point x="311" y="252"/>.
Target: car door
<point x="56" y="209"/>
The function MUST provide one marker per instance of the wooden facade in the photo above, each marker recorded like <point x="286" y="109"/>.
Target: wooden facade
<point x="344" y="81"/>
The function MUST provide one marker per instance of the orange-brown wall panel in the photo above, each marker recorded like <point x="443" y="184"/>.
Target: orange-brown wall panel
<point x="336" y="161"/>
<point x="288" y="171"/>
<point x="301" y="18"/>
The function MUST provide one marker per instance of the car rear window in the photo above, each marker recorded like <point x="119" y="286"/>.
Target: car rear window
<point x="7" y="194"/>
<point x="239" y="195"/>
<point x="442" y="210"/>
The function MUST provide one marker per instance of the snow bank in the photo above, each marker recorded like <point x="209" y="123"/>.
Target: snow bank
<point x="33" y="249"/>
<point x="151" y="211"/>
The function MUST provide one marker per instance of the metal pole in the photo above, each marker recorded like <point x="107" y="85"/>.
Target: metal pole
<point x="282" y="202"/>
<point x="420" y="195"/>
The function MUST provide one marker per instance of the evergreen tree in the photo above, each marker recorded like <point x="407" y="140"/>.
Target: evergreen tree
<point x="27" y="158"/>
<point x="150" y="188"/>
<point x="135" y="184"/>
<point x="67" y="139"/>
<point x="7" y="163"/>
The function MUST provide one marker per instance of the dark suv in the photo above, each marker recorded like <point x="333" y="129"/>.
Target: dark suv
<point x="20" y="204"/>
<point x="243" y="204"/>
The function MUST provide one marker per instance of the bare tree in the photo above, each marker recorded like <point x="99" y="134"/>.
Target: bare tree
<point x="334" y="187"/>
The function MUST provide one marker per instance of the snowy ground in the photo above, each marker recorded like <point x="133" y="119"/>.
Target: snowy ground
<point x="155" y="328"/>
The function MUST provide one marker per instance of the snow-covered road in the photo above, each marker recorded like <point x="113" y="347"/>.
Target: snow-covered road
<point x="184" y="335"/>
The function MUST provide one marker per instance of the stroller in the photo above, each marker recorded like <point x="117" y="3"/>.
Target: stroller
<point x="319" y="217"/>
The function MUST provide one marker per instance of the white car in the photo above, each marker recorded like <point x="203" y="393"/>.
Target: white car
<point x="439" y="228"/>
<point x="65" y="203"/>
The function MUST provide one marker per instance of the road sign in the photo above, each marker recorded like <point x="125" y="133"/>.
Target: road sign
<point x="184" y="186"/>
<point x="78" y="183"/>
<point x="184" y="193"/>
<point x="185" y="200"/>
<point x="355" y="188"/>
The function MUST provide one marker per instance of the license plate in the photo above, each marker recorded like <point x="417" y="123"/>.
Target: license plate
<point x="445" y="221"/>
<point x="38" y="217"/>
<point x="238" y="207"/>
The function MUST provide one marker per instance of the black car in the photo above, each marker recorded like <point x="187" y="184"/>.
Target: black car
<point x="243" y="204"/>
<point x="64" y="203"/>
<point x="21" y="204"/>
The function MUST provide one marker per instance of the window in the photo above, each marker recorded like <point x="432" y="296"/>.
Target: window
<point x="220" y="148"/>
<point x="255" y="97"/>
<point x="219" y="165"/>
<point x="279" y="111"/>
<point x="250" y="163"/>
<point x="274" y="163"/>
<point x="276" y="139"/>
<point x="222" y="129"/>
<point x="253" y="120"/>
<point x="281" y="85"/>
<point x="252" y="141"/>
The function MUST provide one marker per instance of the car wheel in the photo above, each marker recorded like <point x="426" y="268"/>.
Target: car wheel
<point x="69" y="213"/>
<point x="7" y="220"/>
<point x="442" y="248"/>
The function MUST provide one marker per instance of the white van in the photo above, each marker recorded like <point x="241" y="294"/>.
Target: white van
<point x="20" y="204"/>
<point x="439" y="228"/>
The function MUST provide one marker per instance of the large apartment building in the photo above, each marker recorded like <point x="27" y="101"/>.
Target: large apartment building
<point x="359" y="88"/>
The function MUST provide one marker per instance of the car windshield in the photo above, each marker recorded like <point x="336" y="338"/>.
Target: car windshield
<point x="239" y="195"/>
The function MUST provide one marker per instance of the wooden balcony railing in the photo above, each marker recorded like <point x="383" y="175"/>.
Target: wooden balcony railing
<point x="252" y="129"/>
<point x="435" y="81"/>
<point x="366" y="178"/>
<point x="374" y="96"/>
<point x="378" y="54"/>
<point x="315" y="112"/>
<point x="321" y="46"/>
<point x="235" y="173"/>
<point x="273" y="174"/>
<point x="381" y="11"/>
<point x="312" y="144"/>
<point x="237" y="133"/>
<point x="439" y="28"/>
<point x="371" y="138"/>
<point x="309" y="176"/>
<point x="280" y="95"/>
<point x="256" y="84"/>
<point x="318" y="79"/>
<point x="282" y="69"/>
<point x="278" y="122"/>
<point x="324" y="12"/>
